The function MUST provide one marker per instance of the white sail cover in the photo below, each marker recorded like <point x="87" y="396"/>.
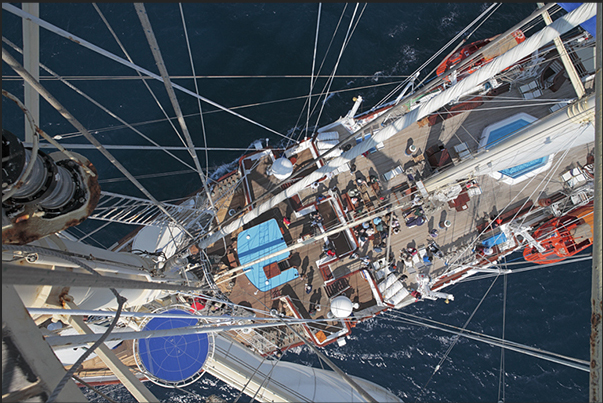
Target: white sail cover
<point x="524" y="49"/>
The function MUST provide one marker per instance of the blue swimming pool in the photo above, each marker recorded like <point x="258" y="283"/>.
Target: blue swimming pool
<point x="502" y="133"/>
<point x="506" y="131"/>
<point x="519" y="170"/>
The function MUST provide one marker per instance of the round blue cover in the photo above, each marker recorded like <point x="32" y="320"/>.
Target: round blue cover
<point x="173" y="358"/>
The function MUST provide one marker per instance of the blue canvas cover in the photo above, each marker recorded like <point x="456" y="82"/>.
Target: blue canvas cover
<point x="173" y="358"/>
<point x="259" y="241"/>
<point x="589" y="25"/>
<point x="495" y="240"/>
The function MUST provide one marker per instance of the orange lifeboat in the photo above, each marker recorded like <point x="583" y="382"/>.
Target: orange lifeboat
<point x="461" y="55"/>
<point x="503" y="45"/>
<point x="562" y="237"/>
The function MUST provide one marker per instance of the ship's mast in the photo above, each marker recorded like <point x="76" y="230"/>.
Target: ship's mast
<point x="596" y="359"/>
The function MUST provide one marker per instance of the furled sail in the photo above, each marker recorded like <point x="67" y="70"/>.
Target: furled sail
<point x="541" y="38"/>
<point x="569" y="127"/>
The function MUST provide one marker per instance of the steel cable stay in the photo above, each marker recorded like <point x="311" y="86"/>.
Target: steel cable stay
<point x="267" y="378"/>
<point x="324" y="58"/>
<point x="105" y="129"/>
<point x="399" y="315"/>
<point x="529" y="268"/>
<point x="457" y="337"/>
<point x="381" y="119"/>
<point x="249" y="380"/>
<point x="497" y="342"/>
<point x="382" y="210"/>
<point x="216" y="77"/>
<point x="88" y="234"/>
<point x="434" y="56"/>
<point x="71" y="119"/>
<point x="571" y="362"/>
<point x="152" y="40"/>
<point x="308" y="102"/>
<point x="330" y="80"/>
<point x="308" y="324"/>
<point x="17" y="11"/>
<point x="341" y="227"/>
<point x="387" y="208"/>
<point x="156" y="146"/>
<point x="120" y="302"/>
<point x="227" y="353"/>
<point x="549" y="175"/>
<point x="123" y="49"/>
<point x="435" y="82"/>
<point x="232" y="305"/>
<point x="268" y="193"/>
<point x="320" y="355"/>
<point x="190" y="56"/>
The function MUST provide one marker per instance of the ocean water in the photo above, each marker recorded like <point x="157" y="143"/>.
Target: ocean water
<point x="548" y="308"/>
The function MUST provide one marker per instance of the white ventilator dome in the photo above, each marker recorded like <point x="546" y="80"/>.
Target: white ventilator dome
<point x="281" y="169"/>
<point x="341" y="306"/>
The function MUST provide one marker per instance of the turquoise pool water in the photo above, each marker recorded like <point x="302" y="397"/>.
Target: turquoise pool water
<point x="502" y="133"/>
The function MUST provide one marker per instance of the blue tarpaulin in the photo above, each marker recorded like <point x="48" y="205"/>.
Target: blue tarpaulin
<point x="495" y="240"/>
<point x="589" y="25"/>
<point x="173" y="358"/>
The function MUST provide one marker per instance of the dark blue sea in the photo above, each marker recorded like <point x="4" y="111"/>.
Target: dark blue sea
<point x="548" y="308"/>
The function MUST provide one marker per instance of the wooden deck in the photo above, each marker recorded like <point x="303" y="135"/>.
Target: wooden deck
<point x="465" y="125"/>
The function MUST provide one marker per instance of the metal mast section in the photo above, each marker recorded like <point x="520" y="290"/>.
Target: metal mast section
<point x="596" y="356"/>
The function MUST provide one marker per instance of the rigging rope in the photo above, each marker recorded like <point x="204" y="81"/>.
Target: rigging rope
<point x="120" y="301"/>
<point x="123" y="49"/>
<point x="125" y="124"/>
<point x="42" y="91"/>
<point x="111" y="128"/>
<point x="190" y="56"/>
<point x="551" y="171"/>
<point x="214" y="77"/>
<point x="456" y="338"/>
<point x="505" y="344"/>
<point x="17" y="11"/>
<point x="330" y="80"/>
<point x="148" y="30"/>
<point x="313" y="65"/>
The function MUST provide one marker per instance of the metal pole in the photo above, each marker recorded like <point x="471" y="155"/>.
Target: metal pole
<point x="18" y="274"/>
<point x="127" y="378"/>
<point x="126" y="314"/>
<point x="80" y="41"/>
<point x="74" y="340"/>
<point x="596" y="359"/>
<point x="148" y="30"/>
<point x="565" y="59"/>
<point x="31" y="62"/>
<point x="141" y="148"/>
<point x="6" y="57"/>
